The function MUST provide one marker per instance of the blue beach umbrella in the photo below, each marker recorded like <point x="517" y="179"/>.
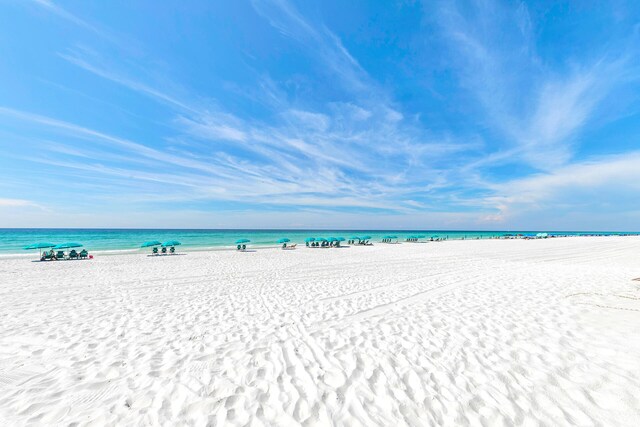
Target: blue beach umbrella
<point x="310" y="239"/>
<point x="354" y="238"/>
<point x="340" y="239"/>
<point x="320" y="239"/>
<point x="284" y="240"/>
<point x="150" y="243"/>
<point x="332" y="239"/>
<point x="365" y="237"/>
<point x="171" y="243"/>
<point x="68" y="245"/>
<point x="390" y="237"/>
<point x="40" y="245"/>
<point x="243" y="241"/>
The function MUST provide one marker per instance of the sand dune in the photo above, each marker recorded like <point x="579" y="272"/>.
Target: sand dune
<point x="449" y="333"/>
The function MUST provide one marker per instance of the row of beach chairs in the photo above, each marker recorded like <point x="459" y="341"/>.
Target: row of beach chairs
<point x="359" y="242"/>
<point x="60" y="255"/>
<point x="163" y="251"/>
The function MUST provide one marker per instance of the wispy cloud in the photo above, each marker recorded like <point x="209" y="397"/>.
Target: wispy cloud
<point x="538" y="110"/>
<point x="59" y="11"/>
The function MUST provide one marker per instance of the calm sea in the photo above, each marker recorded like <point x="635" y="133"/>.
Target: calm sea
<point x="12" y="240"/>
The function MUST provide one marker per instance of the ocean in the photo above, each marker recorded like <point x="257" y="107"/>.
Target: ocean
<point x="13" y="240"/>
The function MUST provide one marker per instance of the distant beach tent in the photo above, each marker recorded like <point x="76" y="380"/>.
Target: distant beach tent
<point x="284" y="240"/>
<point x="171" y="243"/>
<point x="68" y="245"/>
<point x="40" y="246"/>
<point x="150" y="243"/>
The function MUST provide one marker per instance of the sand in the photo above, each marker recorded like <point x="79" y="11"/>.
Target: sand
<point x="499" y="332"/>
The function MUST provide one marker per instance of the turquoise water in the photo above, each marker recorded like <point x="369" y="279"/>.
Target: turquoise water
<point x="12" y="241"/>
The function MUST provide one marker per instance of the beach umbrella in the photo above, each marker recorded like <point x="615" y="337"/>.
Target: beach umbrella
<point x="40" y="245"/>
<point x="171" y="243"/>
<point x="434" y="237"/>
<point x="68" y="245"/>
<point x="310" y="239"/>
<point x="320" y="239"/>
<point x="150" y="243"/>
<point x="332" y="239"/>
<point x="243" y="241"/>
<point x="340" y="239"/>
<point x="420" y="236"/>
<point x="354" y="238"/>
<point x="365" y="237"/>
<point x="390" y="237"/>
<point x="284" y="240"/>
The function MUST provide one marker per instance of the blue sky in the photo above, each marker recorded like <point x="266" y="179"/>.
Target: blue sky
<point x="364" y="114"/>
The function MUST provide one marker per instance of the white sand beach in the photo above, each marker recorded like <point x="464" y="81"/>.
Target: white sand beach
<point x="493" y="332"/>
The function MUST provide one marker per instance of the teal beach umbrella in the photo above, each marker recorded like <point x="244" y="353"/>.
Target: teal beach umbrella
<point x="320" y="239"/>
<point x="365" y="237"/>
<point x="40" y="245"/>
<point x="354" y="238"/>
<point x="150" y="243"/>
<point x="68" y="245"/>
<point x="243" y="241"/>
<point x="171" y="243"/>
<point x="310" y="239"/>
<point x="284" y="240"/>
<point x="340" y="239"/>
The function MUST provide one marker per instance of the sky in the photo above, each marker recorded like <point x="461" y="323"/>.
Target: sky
<point x="470" y="115"/>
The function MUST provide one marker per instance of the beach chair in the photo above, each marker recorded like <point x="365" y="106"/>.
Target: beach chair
<point x="48" y="256"/>
<point x="164" y="250"/>
<point x="60" y="255"/>
<point x="154" y="251"/>
<point x="293" y="245"/>
<point x="84" y="254"/>
<point x="172" y="250"/>
<point x="244" y="247"/>
<point x="284" y="246"/>
<point x="73" y="254"/>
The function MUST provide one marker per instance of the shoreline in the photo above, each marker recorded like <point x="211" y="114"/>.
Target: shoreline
<point x="262" y="246"/>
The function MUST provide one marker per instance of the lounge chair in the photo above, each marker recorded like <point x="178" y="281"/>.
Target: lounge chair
<point x="84" y="254"/>
<point x="73" y="254"/>
<point x="60" y="255"/>
<point x="164" y="250"/>
<point x="244" y="247"/>
<point x="154" y="251"/>
<point x="172" y="250"/>
<point x="284" y="246"/>
<point x="293" y="245"/>
<point x="47" y="256"/>
<point x="239" y="247"/>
